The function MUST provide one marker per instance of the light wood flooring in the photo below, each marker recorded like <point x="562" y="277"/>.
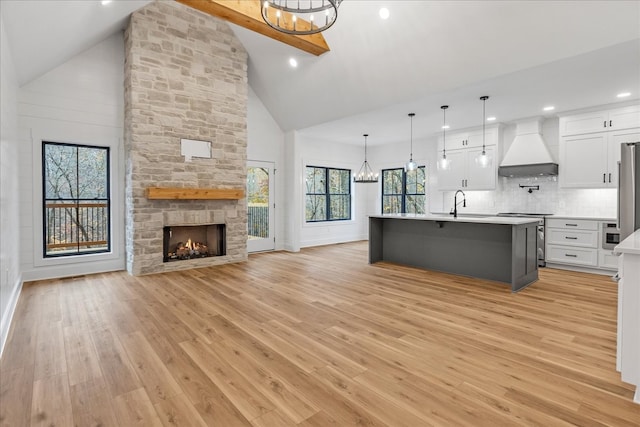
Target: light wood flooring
<point x="316" y="338"/>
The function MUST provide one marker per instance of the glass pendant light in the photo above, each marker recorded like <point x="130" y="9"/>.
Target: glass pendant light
<point x="411" y="165"/>
<point x="483" y="159"/>
<point x="443" y="163"/>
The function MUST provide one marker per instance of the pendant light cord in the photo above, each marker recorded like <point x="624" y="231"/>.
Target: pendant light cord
<point x="444" y="131"/>
<point x="484" y="120"/>
<point x="411" y="154"/>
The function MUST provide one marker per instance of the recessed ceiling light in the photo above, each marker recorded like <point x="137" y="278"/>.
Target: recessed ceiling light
<point x="549" y="108"/>
<point x="445" y="127"/>
<point x="105" y="2"/>
<point x="623" y="94"/>
<point x="384" y="13"/>
<point x="491" y="119"/>
<point x="293" y="62"/>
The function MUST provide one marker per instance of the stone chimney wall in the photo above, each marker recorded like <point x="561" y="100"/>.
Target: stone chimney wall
<point x="185" y="77"/>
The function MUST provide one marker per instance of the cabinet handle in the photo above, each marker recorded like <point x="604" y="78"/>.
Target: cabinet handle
<point x="604" y="177"/>
<point x="570" y="238"/>
<point x="605" y="123"/>
<point x="610" y="123"/>
<point x="571" y="255"/>
<point x="466" y="183"/>
<point x="571" y="225"/>
<point x="609" y="176"/>
<point x="462" y="183"/>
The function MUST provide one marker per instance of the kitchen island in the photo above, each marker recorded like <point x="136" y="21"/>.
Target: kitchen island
<point x="495" y="248"/>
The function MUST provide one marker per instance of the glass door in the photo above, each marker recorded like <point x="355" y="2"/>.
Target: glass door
<point x="260" y="206"/>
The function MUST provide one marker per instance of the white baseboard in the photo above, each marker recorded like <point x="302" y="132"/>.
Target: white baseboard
<point x="581" y="269"/>
<point x="7" y="317"/>
<point x="331" y="241"/>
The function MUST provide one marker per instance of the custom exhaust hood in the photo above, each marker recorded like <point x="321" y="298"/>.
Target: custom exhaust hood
<point x="528" y="155"/>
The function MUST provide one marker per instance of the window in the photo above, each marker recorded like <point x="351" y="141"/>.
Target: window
<point x="403" y="192"/>
<point x="76" y="204"/>
<point x="328" y="194"/>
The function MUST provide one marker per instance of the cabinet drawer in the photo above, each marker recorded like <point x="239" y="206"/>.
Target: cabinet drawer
<point x="563" y="236"/>
<point x="571" y="255"/>
<point x="572" y="224"/>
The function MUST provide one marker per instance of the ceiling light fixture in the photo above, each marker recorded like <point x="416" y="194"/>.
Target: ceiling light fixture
<point x="105" y="2"/>
<point x="384" y="13"/>
<point x="365" y="174"/>
<point x="443" y="163"/>
<point x="483" y="159"/>
<point x="549" y="108"/>
<point x="491" y="119"/>
<point x="411" y="165"/>
<point x="623" y="94"/>
<point x="299" y="20"/>
<point x="293" y="62"/>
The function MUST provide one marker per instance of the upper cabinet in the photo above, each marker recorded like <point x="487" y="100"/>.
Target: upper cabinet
<point x="601" y="121"/>
<point x="470" y="139"/>
<point x="462" y="150"/>
<point x="590" y="146"/>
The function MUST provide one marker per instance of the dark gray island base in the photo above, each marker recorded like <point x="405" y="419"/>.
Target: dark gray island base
<point x="500" y="249"/>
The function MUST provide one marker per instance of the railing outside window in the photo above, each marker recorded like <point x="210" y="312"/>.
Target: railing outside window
<point x="76" y="205"/>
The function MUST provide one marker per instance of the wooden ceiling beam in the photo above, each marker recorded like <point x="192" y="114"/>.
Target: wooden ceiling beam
<point x="247" y="14"/>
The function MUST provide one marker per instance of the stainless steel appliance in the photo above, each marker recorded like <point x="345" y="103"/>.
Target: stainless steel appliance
<point x="610" y="235"/>
<point x="629" y="189"/>
<point x="540" y="217"/>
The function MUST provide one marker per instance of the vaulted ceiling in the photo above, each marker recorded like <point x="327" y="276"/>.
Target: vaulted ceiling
<point x="524" y="54"/>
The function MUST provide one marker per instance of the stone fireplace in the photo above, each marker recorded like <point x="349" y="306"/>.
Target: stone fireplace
<point x="185" y="78"/>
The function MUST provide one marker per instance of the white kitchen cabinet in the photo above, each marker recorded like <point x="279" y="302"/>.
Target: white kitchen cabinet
<point x="471" y="138"/>
<point x="601" y="121"/>
<point x="607" y="259"/>
<point x="452" y="178"/>
<point x="628" y="349"/>
<point x="591" y="160"/>
<point x="463" y="172"/>
<point x="572" y="241"/>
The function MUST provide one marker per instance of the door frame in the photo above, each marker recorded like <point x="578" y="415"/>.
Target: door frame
<point x="269" y="243"/>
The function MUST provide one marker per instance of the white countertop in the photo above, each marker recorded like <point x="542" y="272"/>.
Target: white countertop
<point x="630" y="245"/>
<point x="450" y="218"/>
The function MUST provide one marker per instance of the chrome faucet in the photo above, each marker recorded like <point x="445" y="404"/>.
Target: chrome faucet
<point x="455" y="203"/>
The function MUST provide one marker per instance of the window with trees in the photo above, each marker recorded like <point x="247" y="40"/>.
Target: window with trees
<point x="76" y="203"/>
<point x="328" y="196"/>
<point x="403" y="192"/>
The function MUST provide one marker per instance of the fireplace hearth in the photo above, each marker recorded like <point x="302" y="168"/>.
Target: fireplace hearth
<point x="187" y="242"/>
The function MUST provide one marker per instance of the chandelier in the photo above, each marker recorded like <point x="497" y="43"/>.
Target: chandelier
<point x="300" y="17"/>
<point x="365" y="174"/>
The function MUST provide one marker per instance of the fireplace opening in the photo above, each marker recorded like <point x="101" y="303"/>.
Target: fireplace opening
<point x="193" y="241"/>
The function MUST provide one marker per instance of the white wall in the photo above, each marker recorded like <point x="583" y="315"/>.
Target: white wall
<point x="266" y="143"/>
<point x="81" y="101"/>
<point x="10" y="281"/>
<point x="310" y="152"/>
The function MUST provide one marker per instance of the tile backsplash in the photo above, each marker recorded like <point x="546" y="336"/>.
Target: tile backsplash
<point x="549" y="199"/>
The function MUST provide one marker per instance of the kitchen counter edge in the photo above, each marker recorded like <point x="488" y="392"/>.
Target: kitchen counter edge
<point x="630" y="245"/>
<point x="475" y="220"/>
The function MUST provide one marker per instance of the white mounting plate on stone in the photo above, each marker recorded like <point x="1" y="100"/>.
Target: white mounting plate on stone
<point x="193" y="148"/>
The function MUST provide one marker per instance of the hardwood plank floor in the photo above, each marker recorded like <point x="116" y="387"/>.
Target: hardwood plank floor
<point x="315" y="338"/>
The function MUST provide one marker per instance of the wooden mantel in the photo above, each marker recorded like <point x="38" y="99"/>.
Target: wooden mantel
<point x="176" y="193"/>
